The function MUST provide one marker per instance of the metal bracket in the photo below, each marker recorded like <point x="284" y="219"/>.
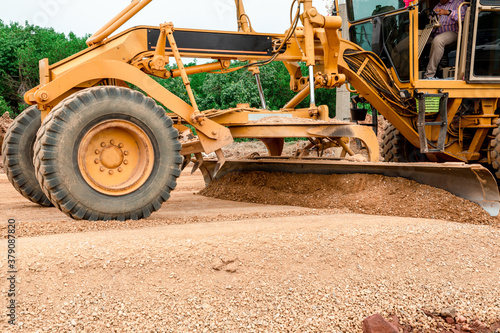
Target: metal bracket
<point x="443" y="115"/>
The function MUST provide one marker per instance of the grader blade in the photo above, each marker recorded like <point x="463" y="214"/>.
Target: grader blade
<point x="471" y="182"/>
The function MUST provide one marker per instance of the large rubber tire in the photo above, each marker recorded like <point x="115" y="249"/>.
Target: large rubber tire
<point x="17" y="153"/>
<point x="495" y="151"/>
<point x="396" y="148"/>
<point x="59" y="145"/>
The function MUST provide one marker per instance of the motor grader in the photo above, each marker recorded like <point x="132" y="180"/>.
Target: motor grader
<point x="98" y="144"/>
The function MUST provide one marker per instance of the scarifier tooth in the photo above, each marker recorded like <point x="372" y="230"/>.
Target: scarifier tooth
<point x="196" y="165"/>
<point x="185" y="163"/>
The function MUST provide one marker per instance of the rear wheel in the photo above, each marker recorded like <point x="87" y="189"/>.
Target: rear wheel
<point x="396" y="148"/>
<point x="108" y="153"/>
<point x="495" y="151"/>
<point x="17" y="152"/>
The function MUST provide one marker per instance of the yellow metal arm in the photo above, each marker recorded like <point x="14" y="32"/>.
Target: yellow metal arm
<point x="242" y="17"/>
<point x="119" y="20"/>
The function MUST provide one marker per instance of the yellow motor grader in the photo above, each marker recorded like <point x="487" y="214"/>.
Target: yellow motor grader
<point x="97" y="144"/>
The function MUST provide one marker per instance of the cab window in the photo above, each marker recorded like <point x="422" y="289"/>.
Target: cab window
<point x="362" y="9"/>
<point x="487" y="56"/>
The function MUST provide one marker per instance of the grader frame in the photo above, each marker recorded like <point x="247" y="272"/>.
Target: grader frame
<point x="85" y="80"/>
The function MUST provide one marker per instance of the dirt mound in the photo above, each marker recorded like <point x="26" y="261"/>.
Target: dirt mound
<point x="359" y="193"/>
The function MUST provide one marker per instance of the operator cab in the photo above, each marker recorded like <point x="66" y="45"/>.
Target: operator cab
<point x="386" y="26"/>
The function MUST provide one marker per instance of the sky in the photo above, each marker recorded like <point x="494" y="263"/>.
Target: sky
<point x="86" y="17"/>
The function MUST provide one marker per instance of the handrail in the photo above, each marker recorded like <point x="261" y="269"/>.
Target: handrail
<point x="120" y="19"/>
<point x="459" y="40"/>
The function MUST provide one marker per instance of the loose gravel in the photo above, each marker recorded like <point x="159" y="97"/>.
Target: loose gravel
<point x="324" y="274"/>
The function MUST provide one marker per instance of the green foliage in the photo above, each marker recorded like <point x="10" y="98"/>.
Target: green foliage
<point x="21" y="48"/>
<point x="4" y="107"/>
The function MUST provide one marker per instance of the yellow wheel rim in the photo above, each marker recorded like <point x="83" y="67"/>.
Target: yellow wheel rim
<point x="116" y="157"/>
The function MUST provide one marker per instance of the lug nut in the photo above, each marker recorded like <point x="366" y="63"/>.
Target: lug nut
<point x="125" y="153"/>
<point x="102" y="169"/>
<point x="125" y="162"/>
<point x="103" y="144"/>
<point x="96" y="161"/>
<point x="120" y="145"/>
<point x="97" y="151"/>
<point x="112" y="142"/>
<point x="111" y="172"/>
<point x="120" y="169"/>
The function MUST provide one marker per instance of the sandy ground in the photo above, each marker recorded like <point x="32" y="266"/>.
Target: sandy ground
<point x="207" y="265"/>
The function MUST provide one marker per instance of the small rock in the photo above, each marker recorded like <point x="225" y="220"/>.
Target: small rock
<point x="448" y="312"/>
<point x="217" y="264"/>
<point x="232" y="267"/>
<point x="449" y="320"/>
<point x="377" y="324"/>
<point x="479" y="325"/>
<point x="461" y="319"/>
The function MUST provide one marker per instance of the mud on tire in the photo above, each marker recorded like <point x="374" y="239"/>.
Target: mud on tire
<point x="65" y="165"/>
<point x="17" y="156"/>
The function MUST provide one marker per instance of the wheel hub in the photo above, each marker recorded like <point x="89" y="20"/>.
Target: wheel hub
<point x="116" y="157"/>
<point x="111" y="157"/>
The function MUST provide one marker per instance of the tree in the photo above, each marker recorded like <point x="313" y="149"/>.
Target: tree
<point x="21" y="48"/>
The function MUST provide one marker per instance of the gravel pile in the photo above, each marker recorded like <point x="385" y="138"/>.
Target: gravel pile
<point x="358" y="193"/>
